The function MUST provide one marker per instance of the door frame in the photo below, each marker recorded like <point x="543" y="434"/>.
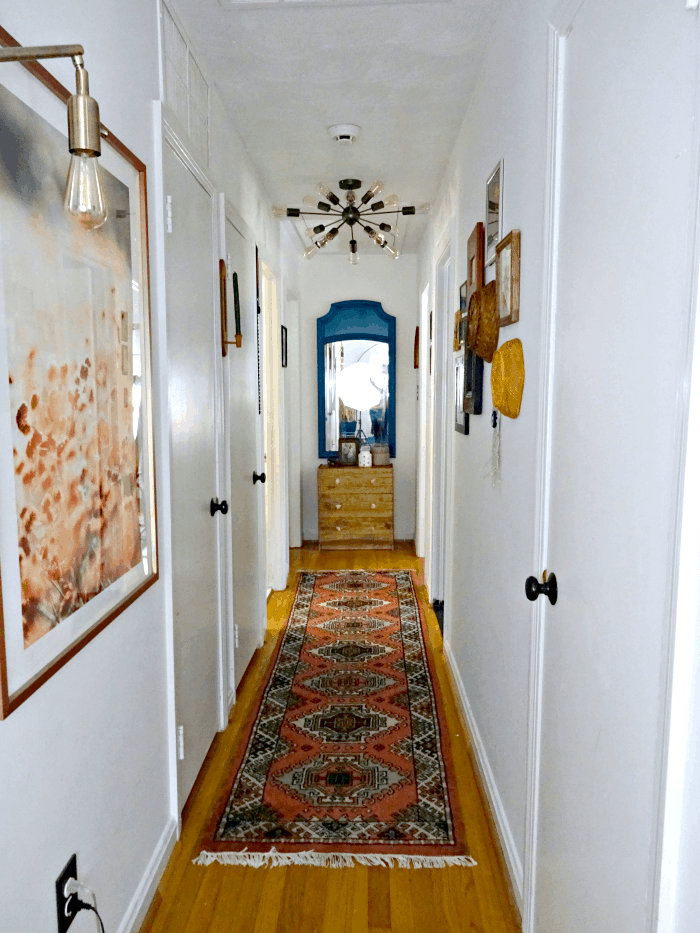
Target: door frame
<point x="171" y="137"/>
<point x="424" y="446"/>
<point x="438" y="556"/>
<point x="229" y="212"/>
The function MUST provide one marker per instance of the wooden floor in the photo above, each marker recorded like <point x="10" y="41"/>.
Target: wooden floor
<point x="300" y="899"/>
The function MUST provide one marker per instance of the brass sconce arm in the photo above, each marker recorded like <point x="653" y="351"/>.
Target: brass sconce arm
<point x="30" y="53"/>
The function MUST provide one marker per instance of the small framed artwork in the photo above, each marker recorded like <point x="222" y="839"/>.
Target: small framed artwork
<point x="494" y="212"/>
<point x="416" y="349"/>
<point x="463" y="297"/>
<point x="284" y="346"/>
<point x="508" y="278"/>
<point x="461" y="417"/>
<point x="456" y="345"/>
<point x="348" y="450"/>
<point x="473" y="383"/>
<point x="475" y="265"/>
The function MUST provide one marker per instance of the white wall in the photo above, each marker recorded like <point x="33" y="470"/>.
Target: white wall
<point x="84" y="761"/>
<point x="329" y="278"/>
<point x="486" y="615"/>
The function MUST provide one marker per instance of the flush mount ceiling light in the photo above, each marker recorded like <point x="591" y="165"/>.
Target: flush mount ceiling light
<point x="84" y="199"/>
<point x="345" y="134"/>
<point x="351" y="214"/>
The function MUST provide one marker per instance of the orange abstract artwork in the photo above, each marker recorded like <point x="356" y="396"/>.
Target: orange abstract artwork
<point x="70" y="321"/>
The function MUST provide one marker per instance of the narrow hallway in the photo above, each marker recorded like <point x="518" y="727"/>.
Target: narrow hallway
<point x="361" y="899"/>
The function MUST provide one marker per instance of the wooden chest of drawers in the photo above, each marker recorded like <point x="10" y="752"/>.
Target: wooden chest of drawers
<point x="356" y="507"/>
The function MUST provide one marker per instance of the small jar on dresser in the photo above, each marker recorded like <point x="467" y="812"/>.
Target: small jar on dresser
<point x="356" y="507"/>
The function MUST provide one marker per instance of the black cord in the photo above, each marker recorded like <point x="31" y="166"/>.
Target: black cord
<point x="83" y="905"/>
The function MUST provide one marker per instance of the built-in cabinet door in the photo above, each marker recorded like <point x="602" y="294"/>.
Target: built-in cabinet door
<point x="245" y="426"/>
<point x="617" y="351"/>
<point x="192" y="343"/>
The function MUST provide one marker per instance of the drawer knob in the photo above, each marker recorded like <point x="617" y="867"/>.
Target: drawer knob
<point x="337" y="505"/>
<point x="337" y="481"/>
<point x="374" y="506"/>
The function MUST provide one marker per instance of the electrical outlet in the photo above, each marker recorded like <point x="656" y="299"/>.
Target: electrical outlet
<point x="66" y="906"/>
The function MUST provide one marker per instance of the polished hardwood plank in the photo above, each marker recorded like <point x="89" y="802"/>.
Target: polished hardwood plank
<point x="300" y="899"/>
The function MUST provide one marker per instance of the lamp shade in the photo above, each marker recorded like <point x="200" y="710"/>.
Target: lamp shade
<point x="355" y="387"/>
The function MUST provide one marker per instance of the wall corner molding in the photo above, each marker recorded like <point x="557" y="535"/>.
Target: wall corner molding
<point x="563" y="15"/>
<point x="143" y="895"/>
<point x="488" y="781"/>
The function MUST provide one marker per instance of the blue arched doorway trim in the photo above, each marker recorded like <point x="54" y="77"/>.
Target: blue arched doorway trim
<point x="355" y="320"/>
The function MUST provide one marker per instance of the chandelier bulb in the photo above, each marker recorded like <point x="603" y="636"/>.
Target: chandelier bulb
<point x="376" y="187"/>
<point x="391" y="201"/>
<point x="424" y="208"/>
<point x="308" y="253"/>
<point x="394" y="253"/>
<point x="310" y="200"/>
<point x="328" y="194"/>
<point x="309" y="233"/>
<point x="353" y="259"/>
<point x="84" y="198"/>
<point x="279" y="211"/>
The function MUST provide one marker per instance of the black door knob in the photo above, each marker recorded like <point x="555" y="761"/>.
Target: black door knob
<point x="257" y="477"/>
<point x="216" y="506"/>
<point x="533" y="588"/>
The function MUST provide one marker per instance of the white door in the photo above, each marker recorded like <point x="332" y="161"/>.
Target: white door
<point x="615" y="378"/>
<point x="245" y="425"/>
<point x="189" y="272"/>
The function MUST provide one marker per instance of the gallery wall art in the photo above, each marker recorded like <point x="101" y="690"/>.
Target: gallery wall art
<point x="77" y="525"/>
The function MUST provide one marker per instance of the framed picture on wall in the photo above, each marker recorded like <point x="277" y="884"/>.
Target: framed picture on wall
<point x="473" y="383"/>
<point x="494" y="212"/>
<point x="284" y="345"/>
<point x="475" y="265"/>
<point x="508" y="278"/>
<point x="461" y="417"/>
<point x="78" y="522"/>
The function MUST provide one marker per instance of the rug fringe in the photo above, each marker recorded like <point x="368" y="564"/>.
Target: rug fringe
<point x="331" y="859"/>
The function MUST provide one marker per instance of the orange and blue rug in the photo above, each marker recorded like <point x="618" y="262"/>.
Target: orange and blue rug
<point x="345" y="759"/>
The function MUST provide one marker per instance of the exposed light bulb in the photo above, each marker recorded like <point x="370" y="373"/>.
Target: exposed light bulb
<point x="424" y="208"/>
<point x="84" y="198"/>
<point x="376" y="187"/>
<point x="391" y="201"/>
<point x="308" y="253"/>
<point x="328" y="194"/>
<point x="309" y="233"/>
<point x="394" y="253"/>
<point x="353" y="259"/>
<point x="279" y="211"/>
<point x="353" y="253"/>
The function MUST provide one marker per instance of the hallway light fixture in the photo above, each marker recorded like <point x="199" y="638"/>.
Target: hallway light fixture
<point x="352" y="213"/>
<point x="84" y="198"/>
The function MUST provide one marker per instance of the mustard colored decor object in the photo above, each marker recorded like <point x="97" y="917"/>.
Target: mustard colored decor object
<point x="482" y="322"/>
<point x="508" y="378"/>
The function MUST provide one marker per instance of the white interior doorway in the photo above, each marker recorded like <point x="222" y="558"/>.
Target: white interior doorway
<point x="424" y="420"/>
<point x="439" y="426"/>
<point x="276" y="510"/>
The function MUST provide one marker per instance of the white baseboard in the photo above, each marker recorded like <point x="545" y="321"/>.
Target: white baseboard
<point x="513" y="862"/>
<point x="141" y="901"/>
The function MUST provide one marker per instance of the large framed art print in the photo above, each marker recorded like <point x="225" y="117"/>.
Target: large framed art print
<point x="77" y="484"/>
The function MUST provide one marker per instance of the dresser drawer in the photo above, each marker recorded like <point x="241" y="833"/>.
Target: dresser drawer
<point x="355" y="528"/>
<point x="342" y="504"/>
<point x="355" y="479"/>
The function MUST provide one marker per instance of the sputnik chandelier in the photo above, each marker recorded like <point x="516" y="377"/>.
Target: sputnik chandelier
<point x="353" y="213"/>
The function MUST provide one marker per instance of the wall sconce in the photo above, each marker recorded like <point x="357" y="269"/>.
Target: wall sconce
<point x="84" y="198"/>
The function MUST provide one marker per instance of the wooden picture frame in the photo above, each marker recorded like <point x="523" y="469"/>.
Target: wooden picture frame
<point x="283" y="345"/>
<point x="475" y="265"/>
<point x="473" y="383"/>
<point x="508" y="278"/>
<point x="67" y="575"/>
<point x="348" y="451"/>
<point x="494" y="213"/>
<point x="456" y="344"/>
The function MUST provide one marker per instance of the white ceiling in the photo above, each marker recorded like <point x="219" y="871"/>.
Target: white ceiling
<point x="402" y="71"/>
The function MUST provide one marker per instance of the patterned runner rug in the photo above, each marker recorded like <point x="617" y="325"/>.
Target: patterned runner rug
<point x="346" y="757"/>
